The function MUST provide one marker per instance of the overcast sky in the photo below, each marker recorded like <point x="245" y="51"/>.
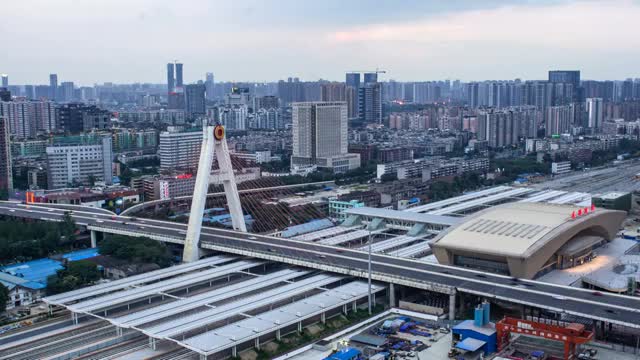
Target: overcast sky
<point x="124" y="41"/>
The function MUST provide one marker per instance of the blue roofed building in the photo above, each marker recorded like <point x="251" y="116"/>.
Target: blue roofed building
<point x="478" y="334"/>
<point x="27" y="281"/>
<point x="347" y="353"/>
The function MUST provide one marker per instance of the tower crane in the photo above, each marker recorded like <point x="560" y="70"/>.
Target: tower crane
<point x="377" y="71"/>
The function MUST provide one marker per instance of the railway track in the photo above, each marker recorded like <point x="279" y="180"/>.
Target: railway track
<point x="117" y="350"/>
<point x="49" y="348"/>
<point x="56" y="337"/>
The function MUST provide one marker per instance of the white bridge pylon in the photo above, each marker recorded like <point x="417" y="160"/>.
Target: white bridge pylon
<point x="213" y="143"/>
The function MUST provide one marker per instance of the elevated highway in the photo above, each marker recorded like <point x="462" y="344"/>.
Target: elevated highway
<point x="608" y="308"/>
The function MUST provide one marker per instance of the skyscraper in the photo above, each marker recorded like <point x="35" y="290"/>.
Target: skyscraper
<point x="353" y="84"/>
<point x="53" y="86"/>
<point x="5" y="94"/>
<point x="594" y="113"/>
<point x="29" y="92"/>
<point x="194" y="100"/>
<point x="290" y="91"/>
<point x="370" y="77"/>
<point x="66" y="93"/>
<point x="565" y="76"/>
<point x="76" y="118"/>
<point x="320" y="136"/>
<point x="370" y="103"/>
<point x="5" y="80"/>
<point x="209" y="86"/>
<point x="559" y="119"/>
<point x="333" y="92"/>
<point x="179" y="83"/>
<point x="570" y="77"/>
<point x="43" y="91"/>
<point x="472" y="95"/>
<point x="170" y="78"/>
<point x="6" y="176"/>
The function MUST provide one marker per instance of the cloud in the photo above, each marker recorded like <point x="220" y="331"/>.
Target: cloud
<point x="128" y="41"/>
<point x="573" y="34"/>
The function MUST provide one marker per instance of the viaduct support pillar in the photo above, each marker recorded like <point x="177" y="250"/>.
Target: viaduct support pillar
<point x="452" y="307"/>
<point x="94" y="239"/>
<point x="392" y="295"/>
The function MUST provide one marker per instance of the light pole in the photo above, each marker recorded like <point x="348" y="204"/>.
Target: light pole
<point x="369" y="280"/>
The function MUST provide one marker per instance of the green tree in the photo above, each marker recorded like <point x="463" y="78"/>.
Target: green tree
<point x="388" y="177"/>
<point x="4" y="297"/>
<point x="68" y="227"/>
<point x="86" y="271"/>
<point x="75" y="275"/>
<point x="136" y="249"/>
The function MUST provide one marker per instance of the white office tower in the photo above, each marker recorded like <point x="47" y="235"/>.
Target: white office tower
<point x="214" y="143"/>
<point x="74" y="160"/>
<point x="594" y="113"/>
<point x="320" y="136"/>
<point x="179" y="149"/>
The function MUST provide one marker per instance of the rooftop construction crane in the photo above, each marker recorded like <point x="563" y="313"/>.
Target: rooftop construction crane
<point x="377" y="71"/>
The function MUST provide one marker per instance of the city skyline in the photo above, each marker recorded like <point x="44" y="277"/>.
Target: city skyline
<point x="260" y="41"/>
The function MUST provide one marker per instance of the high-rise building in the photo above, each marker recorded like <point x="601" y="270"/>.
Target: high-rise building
<point x="320" y="136"/>
<point x="27" y="118"/>
<point x="594" y="113"/>
<point x="265" y="102"/>
<point x="559" y="119"/>
<point x="53" y="86"/>
<point x="5" y="80"/>
<point x="472" y="95"/>
<point x="209" y="84"/>
<point x="45" y="113"/>
<point x="43" y="91"/>
<point x="290" y="91"/>
<point x="179" y="83"/>
<point x="78" y="160"/>
<point x="504" y="127"/>
<point x="5" y="94"/>
<point x="351" y="94"/>
<point x="233" y="117"/>
<point x="565" y="76"/>
<point x="20" y="118"/>
<point x="569" y="77"/>
<point x="6" y="175"/>
<point x="238" y="96"/>
<point x="334" y="91"/>
<point x="370" y="103"/>
<point x="195" y="100"/>
<point x="176" y="100"/>
<point x="180" y="150"/>
<point x="67" y="88"/>
<point x="170" y="78"/>
<point x="370" y="77"/>
<point x="268" y="118"/>
<point x="29" y="92"/>
<point x="76" y="118"/>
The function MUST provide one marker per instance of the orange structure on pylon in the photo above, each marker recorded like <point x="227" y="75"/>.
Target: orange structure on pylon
<point x="570" y="335"/>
